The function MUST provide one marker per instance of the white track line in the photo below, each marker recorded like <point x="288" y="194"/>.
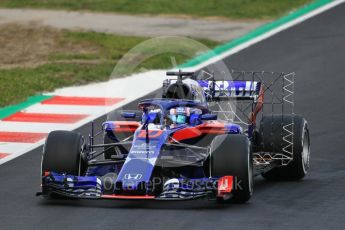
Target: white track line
<point x="63" y="109"/>
<point x="20" y="151"/>
<point x="7" y="147"/>
<point x="129" y="87"/>
<point x="11" y="126"/>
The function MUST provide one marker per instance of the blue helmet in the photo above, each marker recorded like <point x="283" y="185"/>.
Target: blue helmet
<point x="180" y="115"/>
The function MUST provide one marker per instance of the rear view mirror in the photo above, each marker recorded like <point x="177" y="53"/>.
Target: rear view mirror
<point x="209" y="117"/>
<point x="128" y="115"/>
<point x="149" y="118"/>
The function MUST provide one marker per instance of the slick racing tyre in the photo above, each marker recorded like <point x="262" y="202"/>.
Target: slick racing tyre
<point x="272" y="133"/>
<point x="231" y="155"/>
<point x="62" y="153"/>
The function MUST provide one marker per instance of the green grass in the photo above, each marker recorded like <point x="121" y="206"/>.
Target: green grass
<point x="19" y="83"/>
<point x="67" y="68"/>
<point x="237" y="9"/>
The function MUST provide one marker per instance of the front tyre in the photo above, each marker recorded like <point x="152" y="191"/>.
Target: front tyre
<point x="62" y="153"/>
<point x="231" y="155"/>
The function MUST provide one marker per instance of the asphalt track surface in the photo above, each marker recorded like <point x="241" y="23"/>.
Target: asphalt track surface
<point x="315" y="50"/>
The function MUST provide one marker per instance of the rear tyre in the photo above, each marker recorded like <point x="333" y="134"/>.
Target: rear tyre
<point x="231" y="155"/>
<point x="62" y="153"/>
<point x="272" y="132"/>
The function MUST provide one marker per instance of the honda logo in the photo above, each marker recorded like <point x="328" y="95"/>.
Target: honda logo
<point x="131" y="176"/>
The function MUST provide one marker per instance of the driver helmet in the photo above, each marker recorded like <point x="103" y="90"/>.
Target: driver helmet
<point x="179" y="115"/>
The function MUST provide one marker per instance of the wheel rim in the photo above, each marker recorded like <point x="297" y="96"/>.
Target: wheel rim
<point x="306" y="151"/>
<point x="250" y="174"/>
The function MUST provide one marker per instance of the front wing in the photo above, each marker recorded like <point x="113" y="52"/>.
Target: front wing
<point x="91" y="187"/>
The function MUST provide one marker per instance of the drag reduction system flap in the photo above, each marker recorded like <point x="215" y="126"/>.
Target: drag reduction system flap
<point x="221" y="89"/>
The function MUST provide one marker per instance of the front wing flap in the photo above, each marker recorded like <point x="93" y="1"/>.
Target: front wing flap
<point x="90" y="187"/>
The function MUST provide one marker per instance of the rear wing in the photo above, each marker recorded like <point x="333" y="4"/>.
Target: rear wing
<point x="222" y="90"/>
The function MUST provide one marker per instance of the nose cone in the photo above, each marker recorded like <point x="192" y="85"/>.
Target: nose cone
<point x="135" y="176"/>
<point x="136" y="173"/>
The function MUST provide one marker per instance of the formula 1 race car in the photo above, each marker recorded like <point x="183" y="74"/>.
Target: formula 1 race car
<point x="197" y="140"/>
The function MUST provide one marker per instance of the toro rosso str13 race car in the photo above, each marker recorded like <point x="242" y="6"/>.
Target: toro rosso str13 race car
<point x="201" y="139"/>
